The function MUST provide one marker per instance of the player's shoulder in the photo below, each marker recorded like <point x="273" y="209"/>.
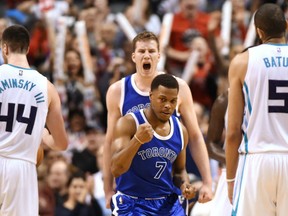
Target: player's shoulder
<point x="180" y="80"/>
<point x="241" y="58"/>
<point x="115" y="87"/>
<point x="113" y="95"/>
<point x="239" y="64"/>
<point x="128" y="120"/>
<point x="183" y="86"/>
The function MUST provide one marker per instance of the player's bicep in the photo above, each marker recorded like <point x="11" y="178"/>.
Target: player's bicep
<point x="216" y="123"/>
<point x="123" y="132"/>
<point x="236" y="99"/>
<point x="112" y="103"/>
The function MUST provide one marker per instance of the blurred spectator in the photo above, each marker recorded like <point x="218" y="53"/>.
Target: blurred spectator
<point x="195" y="23"/>
<point x="203" y="81"/>
<point x="39" y="46"/>
<point x="117" y="69"/>
<point x="75" y="203"/>
<point x="46" y="197"/>
<point x="106" y="47"/>
<point x="75" y="79"/>
<point x="240" y="22"/>
<point x="188" y="23"/>
<point x="168" y="6"/>
<point x="98" y="184"/>
<point x="80" y="96"/>
<point x="90" y="17"/>
<point x="140" y="15"/>
<point x="3" y="25"/>
<point x="50" y="156"/>
<point x="118" y="5"/>
<point x="221" y="62"/>
<point x="85" y="160"/>
<point x="76" y="133"/>
<point x="58" y="175"/>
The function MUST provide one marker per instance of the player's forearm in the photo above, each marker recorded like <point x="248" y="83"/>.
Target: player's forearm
<point x="56" y="142"/>
<point x="107" y="175"/>
<point x="200" y="156"/>
<point x="183" y="176"/>
<point x="121" y="160"/>
<point x="216" y="152"/>
<point x="232" y="144"/>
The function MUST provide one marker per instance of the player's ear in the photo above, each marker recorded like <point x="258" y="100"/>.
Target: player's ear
<point x="5" y="49"/>
<point x="133" y="57"/>
<point x="260" y="33"/>
<point x="150" y="95"/>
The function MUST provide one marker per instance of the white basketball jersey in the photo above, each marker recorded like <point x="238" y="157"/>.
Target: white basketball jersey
<point x="23" y="111"/>
<point x="265" y="121"/>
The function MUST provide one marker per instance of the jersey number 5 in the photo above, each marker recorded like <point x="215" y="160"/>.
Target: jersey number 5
<point x="19" y="117"/>
<point x="275" y="93"/>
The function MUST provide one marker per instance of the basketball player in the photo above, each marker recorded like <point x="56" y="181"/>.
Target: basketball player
<point x="27" y="102"/>
<point x="215" y="145"/>
<point x="143" y="165"/>
<point x="132" y="93"/>
<point x="257" y="121"/>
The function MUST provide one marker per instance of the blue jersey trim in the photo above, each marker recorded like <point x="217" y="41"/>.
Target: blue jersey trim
<point x="246" y="142"/>
<point x="248" y="99"/>
<point x="234" y="211"/>
<point x="20" y="67"/>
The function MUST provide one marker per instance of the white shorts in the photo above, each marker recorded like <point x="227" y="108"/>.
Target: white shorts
<point x="18" y="188"/>
<point x="221" y="205"/>
<point x="261" y="185"/>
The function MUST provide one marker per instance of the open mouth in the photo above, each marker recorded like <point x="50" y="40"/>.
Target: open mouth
<point x="147" y="66"/>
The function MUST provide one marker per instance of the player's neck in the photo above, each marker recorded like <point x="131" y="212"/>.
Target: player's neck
<point x="18" y="60"/>
<point x="143" y="83"/>
<point x="154" y="121"/>
<point x="281" y="40"/>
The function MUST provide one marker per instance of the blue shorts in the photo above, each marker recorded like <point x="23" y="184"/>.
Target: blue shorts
<point x="125" y="205"/>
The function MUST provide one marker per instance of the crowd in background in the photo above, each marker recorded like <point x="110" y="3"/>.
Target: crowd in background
<point x="84" y="62"/>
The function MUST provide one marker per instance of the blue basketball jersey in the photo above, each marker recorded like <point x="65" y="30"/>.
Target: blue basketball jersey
<point x="132" y="98"/>
<point x="150" y="174"/>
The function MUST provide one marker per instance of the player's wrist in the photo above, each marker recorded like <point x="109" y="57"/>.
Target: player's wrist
<point x="230" y="180"/>
<point x="138" y="140"/>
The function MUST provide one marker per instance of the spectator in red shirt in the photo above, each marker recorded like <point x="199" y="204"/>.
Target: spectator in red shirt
<point x="187" y="23"/>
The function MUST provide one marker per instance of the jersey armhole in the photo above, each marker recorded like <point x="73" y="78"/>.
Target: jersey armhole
<point x="135" y="119"/>
<point x="181" y="133"/>
<point x="122" y="95"/>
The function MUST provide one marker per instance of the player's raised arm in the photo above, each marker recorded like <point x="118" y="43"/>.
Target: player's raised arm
<point x="124" y="147"/>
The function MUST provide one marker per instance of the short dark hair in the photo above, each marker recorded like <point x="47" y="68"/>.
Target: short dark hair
<point x="271" y="19"/>
<point x="78" y="174"/>
<point x="166" y="80"/>
<point x="17" y="38"/>
<point x="145" y="36"/>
